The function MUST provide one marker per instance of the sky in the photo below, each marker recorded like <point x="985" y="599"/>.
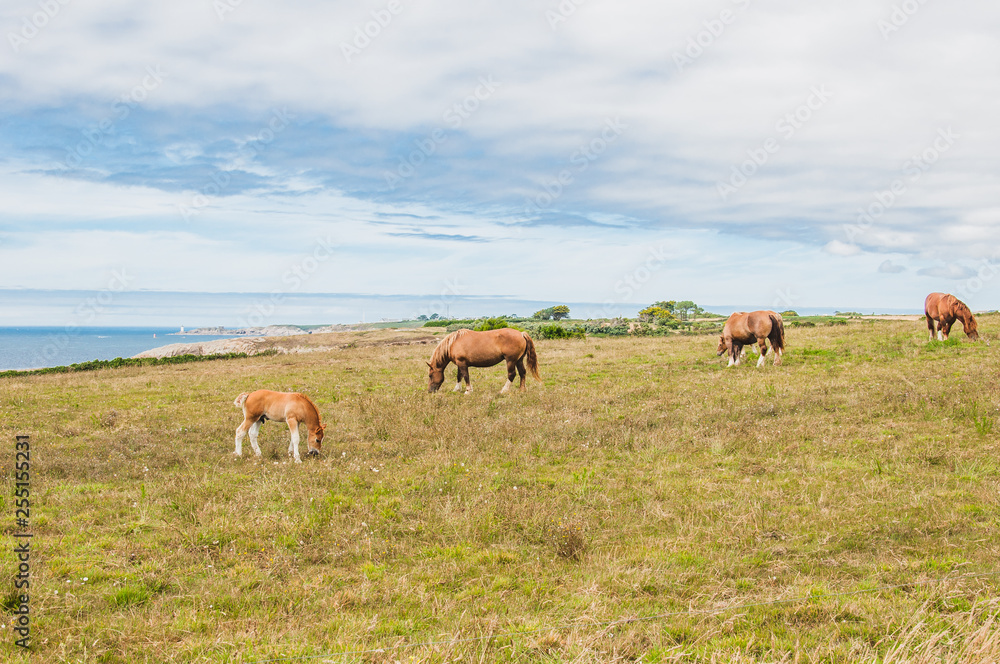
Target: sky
<point x="748" y="152"/>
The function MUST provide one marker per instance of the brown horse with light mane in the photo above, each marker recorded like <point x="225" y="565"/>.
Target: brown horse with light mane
<point x="759" y="327"/>
<point x="289" y="407"/>
<point x="468" y="348"/>
<point x="944" y="309"/>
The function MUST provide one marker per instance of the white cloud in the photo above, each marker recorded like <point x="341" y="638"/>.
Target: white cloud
<point x="838" y="248"/>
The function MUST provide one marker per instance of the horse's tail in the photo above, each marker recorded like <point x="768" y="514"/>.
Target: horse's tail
<point x="242" y="399"/>
<point x="777" y="336"/>
<point x="529" y="353"/>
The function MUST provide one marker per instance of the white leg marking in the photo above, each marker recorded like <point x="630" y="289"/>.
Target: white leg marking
<point x="468" y="389"/>
<point x="458" y="386"/>
<point x="295" y="445"/>
<point x="254" y="428"/>
<point x="940" y="338"/>
<point x="731" y="362"/>
<point x="760" y="362"/>
<point x="506" y="386"/>
<point x="239" y="441"/>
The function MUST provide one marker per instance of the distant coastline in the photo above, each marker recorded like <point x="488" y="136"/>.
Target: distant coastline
<point x="288" y="330"/>
<point x="263" y="331"/>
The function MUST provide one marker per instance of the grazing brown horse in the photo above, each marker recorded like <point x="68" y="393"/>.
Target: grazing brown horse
<point x="945" y="309"/>
<point x="744" y="328"/>
<point x="289" y="407"/>
<point x="468" y="348"/>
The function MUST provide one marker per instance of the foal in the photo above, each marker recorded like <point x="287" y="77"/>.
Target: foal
<point x="290" y="407"/>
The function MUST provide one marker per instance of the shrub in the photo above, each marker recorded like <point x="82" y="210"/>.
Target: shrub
<point x="617" y="327"/>
<point x="553" y="331"/>
<point x="490" y="324"/>
<point x="445" y="322"/>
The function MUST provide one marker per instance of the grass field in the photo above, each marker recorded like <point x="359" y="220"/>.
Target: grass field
<point x="762" y="509"/>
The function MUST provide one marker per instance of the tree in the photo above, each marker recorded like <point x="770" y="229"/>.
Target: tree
<point x="685" y="309"/>
<point x="658" y="314"/>
<point x="422" y="317"/>
<point x="559" y="312"/>
<point x="435" y="316"/>
<point x="543" y="314"/>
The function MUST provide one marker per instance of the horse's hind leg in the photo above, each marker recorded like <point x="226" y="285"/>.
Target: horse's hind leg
<point x="521" y="372"/>
<point x="241" y="432"/>
<point x="763" y="352"/>
<point x="293" y="447"/>
<point x="511" y="372"/>
<point x="254" y="429"/>
<point x="468" y="379"/>
<point x="930" y="327"/>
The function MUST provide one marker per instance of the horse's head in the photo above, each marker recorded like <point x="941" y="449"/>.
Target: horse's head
<point x="435" y="377"/>
<point x="722" y="346"/>
<point x="970" y="327"/>
<point x="315" y="442"/>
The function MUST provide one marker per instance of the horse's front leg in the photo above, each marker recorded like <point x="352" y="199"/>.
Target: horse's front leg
<point x="511" y="372"/>
<point x="762" y="343"/>
<point x="737" y="354"/>
<point x="947" y="330"/>
<point x="293" y="447"/>
<point x="458" y="377"/>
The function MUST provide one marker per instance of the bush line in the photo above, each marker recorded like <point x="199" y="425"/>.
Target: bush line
<point x="120" y="362"/>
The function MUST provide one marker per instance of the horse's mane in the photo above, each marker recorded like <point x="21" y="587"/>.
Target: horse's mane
<point x="442" y="353"/>
<point x="963" y="312"/>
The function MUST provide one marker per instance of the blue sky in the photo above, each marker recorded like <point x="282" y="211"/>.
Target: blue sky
<point x="740" y="151"/>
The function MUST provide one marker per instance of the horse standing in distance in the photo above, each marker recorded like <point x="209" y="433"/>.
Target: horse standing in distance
<point x="468" y="348"/>
<point x="944" y="309"/>
<point x="289" y="407"/>
<point x="742" y="329"/>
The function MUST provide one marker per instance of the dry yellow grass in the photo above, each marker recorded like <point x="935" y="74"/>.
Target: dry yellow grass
<point x="641" y="478"/>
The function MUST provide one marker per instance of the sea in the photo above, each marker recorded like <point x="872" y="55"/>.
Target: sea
<point x="38" y="347"/>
